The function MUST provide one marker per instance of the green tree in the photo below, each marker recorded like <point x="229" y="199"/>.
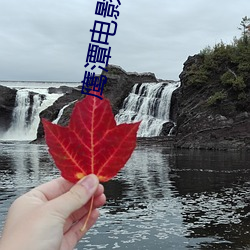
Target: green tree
<point x="245" y="28"/>
<point x="216" y="98"/>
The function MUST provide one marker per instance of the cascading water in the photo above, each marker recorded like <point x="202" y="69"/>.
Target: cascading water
<point x="25" y="117"/>
<point x="149" y="103"/>
<point x="61" y="112"/>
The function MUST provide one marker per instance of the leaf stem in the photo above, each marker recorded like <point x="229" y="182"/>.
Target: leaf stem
<point x="84" y="228"/>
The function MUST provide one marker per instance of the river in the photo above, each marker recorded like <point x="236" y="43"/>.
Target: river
<point x="162" y="199"/>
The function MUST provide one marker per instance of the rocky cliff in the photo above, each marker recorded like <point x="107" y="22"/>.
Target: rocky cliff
<point x="211" y="108"/>
<point x="118" y="86"/>
<point x="209" y="114"/>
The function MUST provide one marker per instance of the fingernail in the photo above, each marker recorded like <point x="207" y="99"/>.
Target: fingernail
<point x="89" y="182"/>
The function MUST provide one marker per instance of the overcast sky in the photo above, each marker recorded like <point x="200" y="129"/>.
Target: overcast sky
<point x="48" y="39"/>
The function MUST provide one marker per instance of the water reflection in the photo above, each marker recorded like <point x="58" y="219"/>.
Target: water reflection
<point x="22" y="167"/>
<point x="26" y="164"/>
<point x="214" y="187"/>
<point x="160" y="200"/>
<point x="142" y="209"/>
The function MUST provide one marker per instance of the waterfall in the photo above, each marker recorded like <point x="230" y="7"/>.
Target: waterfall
<point x="61" y="112"/>
<point x="149" y="103"/>
<point x="25" y="117"/>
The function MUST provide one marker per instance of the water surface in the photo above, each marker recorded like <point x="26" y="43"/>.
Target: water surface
<point x="161" y="200"/>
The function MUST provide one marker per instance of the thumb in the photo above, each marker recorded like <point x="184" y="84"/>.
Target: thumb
<point x="76" y="197"/>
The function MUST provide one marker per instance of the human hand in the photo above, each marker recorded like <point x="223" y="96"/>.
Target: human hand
<point x="50" y="216"/>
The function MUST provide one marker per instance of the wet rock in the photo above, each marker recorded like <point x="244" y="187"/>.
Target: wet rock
<point x="166" y="128"/>
<point x="52" y="112"/>
<point x="60" y="90"/>
<point x="176" y="96"/>
<point x="7" y="105"/>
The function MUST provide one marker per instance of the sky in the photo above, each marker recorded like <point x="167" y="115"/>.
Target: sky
<point x="47" y="40"/>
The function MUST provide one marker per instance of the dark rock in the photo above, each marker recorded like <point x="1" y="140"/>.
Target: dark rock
<point x="31" y="101"/>
<point x="184" y="76"/>
<point x="222" y="127"/>
<point x="242" y="116"/>
<point x="52" y="112"/>
<point x="176" y="96"/>
<point x="166" y="128"/>
<point x="7" y="105"/>
<point x="60" y="90"/>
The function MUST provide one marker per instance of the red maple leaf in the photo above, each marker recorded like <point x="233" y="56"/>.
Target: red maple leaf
<point x="92" y="143"/>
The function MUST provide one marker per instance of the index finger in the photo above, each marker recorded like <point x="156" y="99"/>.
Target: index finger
<point x="54" y="188"/>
